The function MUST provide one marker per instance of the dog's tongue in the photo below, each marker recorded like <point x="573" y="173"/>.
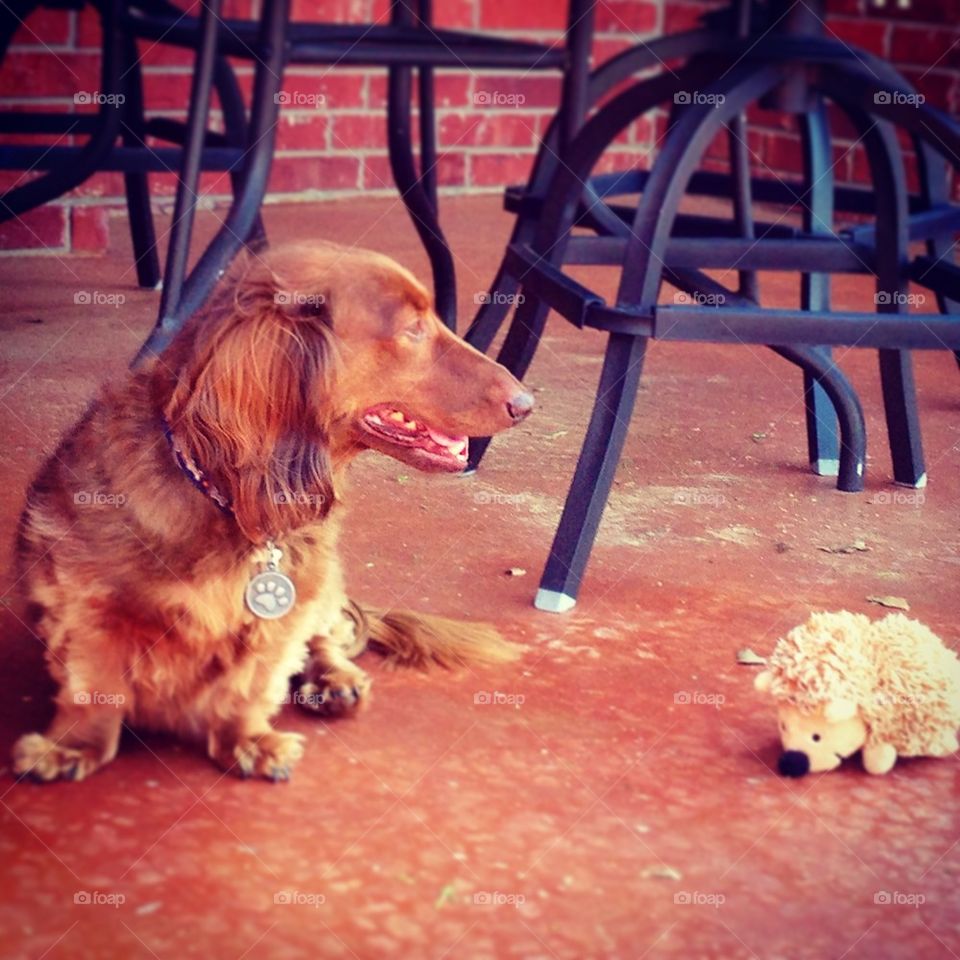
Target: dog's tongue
<point x="442" y="440"/>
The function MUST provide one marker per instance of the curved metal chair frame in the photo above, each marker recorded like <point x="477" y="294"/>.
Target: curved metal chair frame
<point x="409" y="43"/>
<point x="272" y="42"/>
<point x="653" y="242"/>
<point x="120" y="117"/>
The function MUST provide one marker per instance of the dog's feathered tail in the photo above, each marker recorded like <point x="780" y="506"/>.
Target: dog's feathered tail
<point x="420" y="640"/>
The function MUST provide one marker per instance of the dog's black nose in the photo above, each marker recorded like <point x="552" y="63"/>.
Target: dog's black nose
<point x="520" y="406"/>
<point x="793" y="763"/>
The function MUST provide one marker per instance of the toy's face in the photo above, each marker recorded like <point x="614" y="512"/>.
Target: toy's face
<point x="814" y="742"/>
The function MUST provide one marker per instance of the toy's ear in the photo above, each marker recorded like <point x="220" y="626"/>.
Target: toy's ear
<point x="762" y="681"/>
<point x="837" y="710"/>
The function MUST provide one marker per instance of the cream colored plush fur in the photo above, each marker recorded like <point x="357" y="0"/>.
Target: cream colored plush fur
<point x="894" y="674"/>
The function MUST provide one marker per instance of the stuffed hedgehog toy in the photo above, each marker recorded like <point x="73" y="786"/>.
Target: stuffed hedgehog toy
<point x="843" y="683"/>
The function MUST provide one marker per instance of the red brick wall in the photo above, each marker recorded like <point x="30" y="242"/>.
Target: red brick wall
<point x="331" y="137"/>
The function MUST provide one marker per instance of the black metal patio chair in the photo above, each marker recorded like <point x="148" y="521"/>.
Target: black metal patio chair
<point x="746" y="55"/>
<point x="118" y="136"/>
<point x="408" y="43"/>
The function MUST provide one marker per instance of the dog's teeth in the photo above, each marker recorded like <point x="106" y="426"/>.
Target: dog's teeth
<point x="396" y="416"/>
<point x="411" y="424"/>
<point x="458" y="448"/>
<point x="373" y="418"/>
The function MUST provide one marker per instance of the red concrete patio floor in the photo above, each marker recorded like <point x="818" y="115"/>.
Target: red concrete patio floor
<point x="623" y="802"/>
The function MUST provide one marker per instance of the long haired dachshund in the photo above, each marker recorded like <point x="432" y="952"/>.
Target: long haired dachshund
<point x="180" y="547"/>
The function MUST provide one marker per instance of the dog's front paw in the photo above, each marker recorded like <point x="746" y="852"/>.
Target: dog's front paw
<point x="335" y="693"/>
<point x="44" y="760"/>
<point x="270" y="755"/>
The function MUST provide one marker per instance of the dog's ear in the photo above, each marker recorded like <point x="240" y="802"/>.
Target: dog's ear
<point x="252" y="402"/>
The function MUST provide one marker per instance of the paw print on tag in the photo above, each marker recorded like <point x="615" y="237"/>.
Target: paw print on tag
<point x="270" y="595"/>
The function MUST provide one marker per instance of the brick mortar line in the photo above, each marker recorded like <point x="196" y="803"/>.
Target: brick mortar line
<point x="115" y="203"/>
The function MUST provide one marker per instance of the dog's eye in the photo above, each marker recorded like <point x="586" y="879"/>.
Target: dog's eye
<point x="815" y="738"/>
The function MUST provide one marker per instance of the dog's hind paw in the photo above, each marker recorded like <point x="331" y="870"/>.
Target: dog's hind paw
<point x="39" y="758"/>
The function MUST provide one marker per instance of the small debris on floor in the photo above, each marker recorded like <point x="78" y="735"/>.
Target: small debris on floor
<point x="403" y="478"/>
<point x="781" y="547"/>
<point x="738" y="533"/>
<point x="447" y="895"/>
<point x="662" y="872"/>
<point x="556" y="435"/>
<point x="749" y="658"/>
<point x="894" y="603"/>
<point x="858" y="546"/>
<point x="758" y="437"/>
<point x="515" y="572"/>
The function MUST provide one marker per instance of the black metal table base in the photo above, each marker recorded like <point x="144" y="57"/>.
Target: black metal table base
<point x="409" y="42"/>
<point x="651" y="242"/>
<point x="566" y="214"/>
<point x="117" y="133"/>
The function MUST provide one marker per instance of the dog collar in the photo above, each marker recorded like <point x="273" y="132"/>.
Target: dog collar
<point x="269" y="594"/>
<point x="193" y="472"/>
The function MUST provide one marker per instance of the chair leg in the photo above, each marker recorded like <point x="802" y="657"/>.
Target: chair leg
<point x="181" y="230"/>
<point x="742" y="197"/>
<point x="418" y="190"/>
<point x="896" y="366"/>
<point x="602" y="446"/>
<point x="884" y="155"/>
<point x="934" y="191"/>
<point x="903" y="421"/>
<point x="843" y="405"/>
<point x="823" y="442"/>
<point x="235" y="130"/>
<point x="136" y="183"/>
<point x="240" y="222"/>
<point x="142" y="232"/>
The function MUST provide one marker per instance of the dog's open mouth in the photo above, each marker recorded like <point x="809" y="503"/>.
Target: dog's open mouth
<point x="406" y="438"/>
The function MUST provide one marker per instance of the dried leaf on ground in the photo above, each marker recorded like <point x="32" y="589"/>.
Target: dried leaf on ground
<point x="894" y="603"/>
<point x="447" y="895"/>
<point x="858" y="546"/>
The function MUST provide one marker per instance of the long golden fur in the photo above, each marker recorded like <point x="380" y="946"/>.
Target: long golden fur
<point x="136" y="578"/>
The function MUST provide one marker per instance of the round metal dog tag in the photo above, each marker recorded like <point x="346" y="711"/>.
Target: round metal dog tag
<point x="271" y="594"/>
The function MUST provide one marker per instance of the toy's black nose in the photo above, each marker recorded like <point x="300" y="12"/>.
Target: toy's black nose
<point x="793" y="763"/>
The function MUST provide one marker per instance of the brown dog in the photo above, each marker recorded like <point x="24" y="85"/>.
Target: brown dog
<point x="180" y="546"/>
